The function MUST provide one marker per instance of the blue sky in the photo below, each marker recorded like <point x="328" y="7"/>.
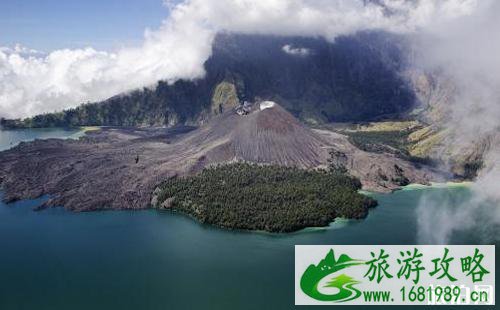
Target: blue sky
<point x="53" y="24"/>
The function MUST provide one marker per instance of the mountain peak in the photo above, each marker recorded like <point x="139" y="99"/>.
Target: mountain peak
<point x="267" y="133"/>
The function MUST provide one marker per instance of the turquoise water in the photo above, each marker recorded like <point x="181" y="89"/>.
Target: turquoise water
<point x="161" y="260"/>
<point x="11" y="138"/>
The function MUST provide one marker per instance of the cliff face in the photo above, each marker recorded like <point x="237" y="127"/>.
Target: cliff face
<point x="355" y="78"/>
<point x="433" y="92"/>
<point x="439" y="138"/>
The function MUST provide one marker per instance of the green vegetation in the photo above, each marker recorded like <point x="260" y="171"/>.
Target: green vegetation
<point x="337" y="162"/>
<point x="225" y="97"/>
<point x="271" y="198"/>
<point x="471" y="169"/>
<point x="380" y="141"/>
<point x="355" y="78"/>
<point x="167" y="105"/>
<point x="395" y="142"/>
<point x="404" y="139"/>
<point x="408" y="125"/>
<point x="425" y="141"/>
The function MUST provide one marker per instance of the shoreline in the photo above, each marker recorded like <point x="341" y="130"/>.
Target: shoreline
<point x="83" y="175"/>
<point x="417" y="186"/>
<point x="449" y="184"/>
<point x="337" y="223"/>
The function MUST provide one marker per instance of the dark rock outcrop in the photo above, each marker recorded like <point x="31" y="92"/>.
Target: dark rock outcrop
<point x="100" y="171"/>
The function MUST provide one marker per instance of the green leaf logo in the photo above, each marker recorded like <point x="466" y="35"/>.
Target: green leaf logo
<point x="311" y="278"/>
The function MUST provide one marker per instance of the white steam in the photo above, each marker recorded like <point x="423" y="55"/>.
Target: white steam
<point x="467" y="50"/>
<point x="31" y="83"/>
<point x="441" y="216"/>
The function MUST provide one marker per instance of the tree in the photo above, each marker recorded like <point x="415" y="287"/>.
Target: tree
<point x="337" y="162"/>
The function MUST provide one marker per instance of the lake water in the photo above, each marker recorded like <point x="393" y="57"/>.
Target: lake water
<point x="56" y="259"/>
<point x="10" y="138"/>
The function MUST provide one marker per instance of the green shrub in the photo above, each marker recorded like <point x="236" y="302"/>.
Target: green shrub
<point x="271" y="198"/>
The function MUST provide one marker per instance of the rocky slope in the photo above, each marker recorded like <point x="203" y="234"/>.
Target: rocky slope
<point x="439" y="138"/>
<point x="119" y="168"/>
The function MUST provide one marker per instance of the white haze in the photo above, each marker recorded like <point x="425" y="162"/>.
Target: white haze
<point x="467" y="50"/>
<point x="64" y="78"/>
<point x="31" y="83"/>
<point x="460" y="37"/>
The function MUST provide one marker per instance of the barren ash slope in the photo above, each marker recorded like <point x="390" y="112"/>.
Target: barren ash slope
<point x="267" y="134"/>
<point x="99" y="171"/>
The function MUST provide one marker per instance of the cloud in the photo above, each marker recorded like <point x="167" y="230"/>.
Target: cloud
<point x="32" y="84"/>
<point x="296" y="51"/>
<point x="21" y="50"/>
<point x="466" y="50"/>
<point x="65" y="78"/>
